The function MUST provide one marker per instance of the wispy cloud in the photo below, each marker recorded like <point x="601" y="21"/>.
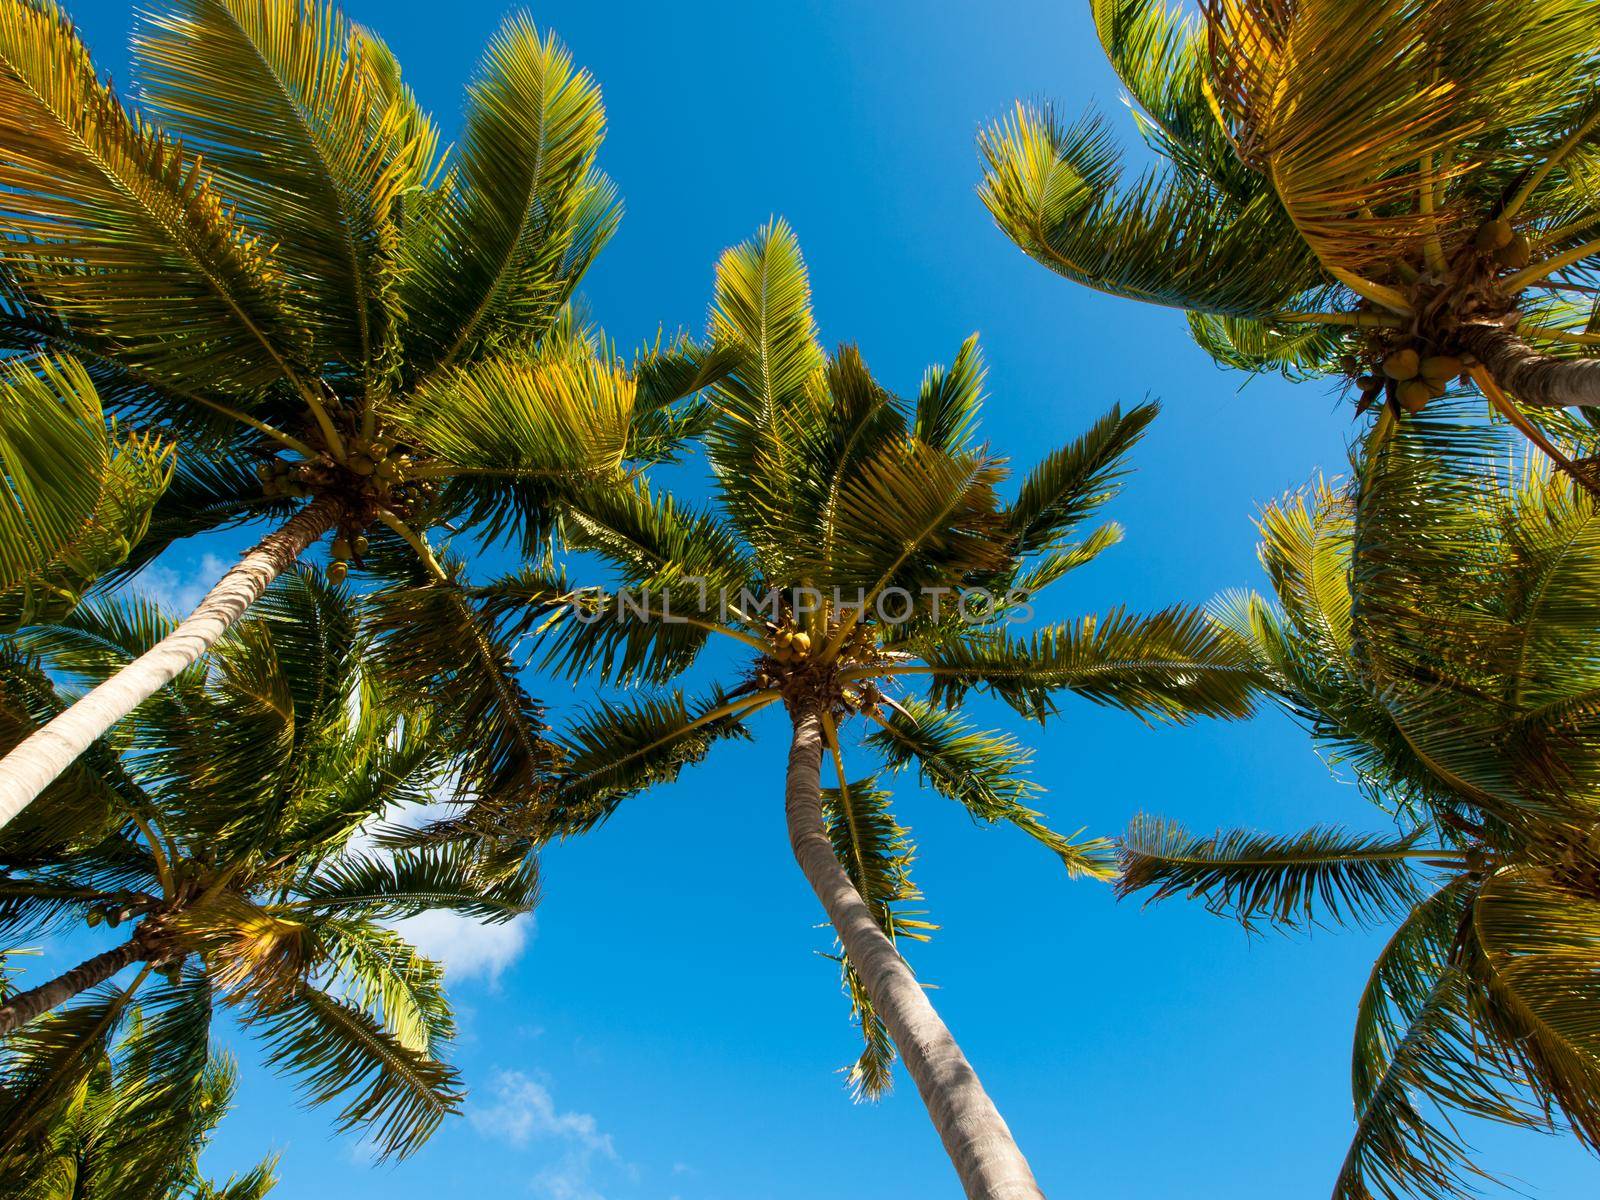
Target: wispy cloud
<point x="523" y="1111"/>
<point x="178" y="588"/>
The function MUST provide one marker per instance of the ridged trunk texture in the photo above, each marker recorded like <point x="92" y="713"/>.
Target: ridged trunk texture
<point x="1531" y="377"/>
<point x="25" y="1006"/>
<point x="40" y="758"/>
<point x="975" y="1136"/>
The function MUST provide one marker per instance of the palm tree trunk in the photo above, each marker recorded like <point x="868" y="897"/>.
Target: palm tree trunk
<point x="1532" y="377"/>
<point x="25" y="1006"/>
<point x="37" y="761"/>
<point x="986" y="1157"/>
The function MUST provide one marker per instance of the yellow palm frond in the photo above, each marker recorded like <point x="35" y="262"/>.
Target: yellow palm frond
<point x="117" y="229"/>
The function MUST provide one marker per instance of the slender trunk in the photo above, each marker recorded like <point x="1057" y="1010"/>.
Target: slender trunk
<point x="986" y="1157"/>
<point x="25" y="1006"/>
<point x="36" y="762"/>
<point x="1533" y="378"/>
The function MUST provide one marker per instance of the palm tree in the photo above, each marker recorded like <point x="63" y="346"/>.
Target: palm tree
<point x="1436" y="633"/>
<point x="117" y="1139"/>
<point x="859" y="543"/>
<point x="347" y="334"/>
<point x="224" y="834"/>
<point x="1421" y="212"/>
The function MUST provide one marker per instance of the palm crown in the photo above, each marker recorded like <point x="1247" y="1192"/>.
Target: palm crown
<point x="833" y="495"/>
<point x="223" y="832"/>
<point x="1391" y="220"/>
<point x="271" y="260"/>
<point x="1436" y="632"/>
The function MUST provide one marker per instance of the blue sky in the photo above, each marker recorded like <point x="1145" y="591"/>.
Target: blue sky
<point x="665" y="1027"/>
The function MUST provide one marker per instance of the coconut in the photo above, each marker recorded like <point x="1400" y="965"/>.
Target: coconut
<point x="360" y="544"/>
<point x="337" y="571"/>
<point x="1402" y="364"/>
<point x="340" y="548"/>
<point x="1515" y="254"/>
<point x="802" y="642"/>
<point x="1440" y="368"/>
<point x="1493" y="235"/>
<point x="1414" y="395"/>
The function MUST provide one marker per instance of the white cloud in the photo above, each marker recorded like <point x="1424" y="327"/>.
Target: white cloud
<point x="179" y="591"/>
<point x="468" y="949"/>
<point x="522" y="1112"/>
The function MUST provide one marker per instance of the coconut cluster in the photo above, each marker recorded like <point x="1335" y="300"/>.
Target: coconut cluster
<point x="795" y="667"/>
<point x="1504" y="244"/>
<point x="374" y="476"/>
<point x="1410" y="379"/>
<point x="1414" y="367"/>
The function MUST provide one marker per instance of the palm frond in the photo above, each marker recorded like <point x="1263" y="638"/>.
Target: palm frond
<point x="437" y="644"/>
<point x="762" y="320"/>
<point x="397" y="1095"/>
<point x="1169" y="237"/>
<point x="47" y="1060"/>
<point x="1418" y="1056"/>
<point x="876" y="853"/>
<point x="1323" y="873"/>
<point x="950" y="399"/>
<point x="1536" y="957"/>
<point x="1296" y="350"/>
<point x="1169" y="665"/>
<point x="1070" y="484"/>
<point x="523" y="212"/>
<point x="117" y="229"/>
<point x="75" y="496"/>
<point x="430" y="878"/>
<point x="519" y="432"/>
<point x="617" y="751"/>
<point x="293" y="124"/>
<point x="383" y="974"/>
<point x="982" y="771"/>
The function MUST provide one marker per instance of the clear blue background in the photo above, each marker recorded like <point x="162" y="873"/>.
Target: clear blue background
<point x="668" y="1029"/>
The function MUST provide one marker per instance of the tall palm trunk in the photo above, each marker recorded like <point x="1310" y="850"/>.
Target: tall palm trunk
<point x="25" y="1006"/>
<point x="986" y="1157"/>
<point x="1532" y="377"/>
<point x="37" y="761"/>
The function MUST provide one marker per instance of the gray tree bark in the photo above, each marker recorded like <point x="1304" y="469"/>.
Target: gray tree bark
<point x="40" y="758"/>
<point x="25" y="1006"/>
<point x="1531" y="377"/>
<point x="975" y="1136"/>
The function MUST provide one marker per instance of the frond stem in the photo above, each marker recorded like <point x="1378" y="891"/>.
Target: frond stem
<point x="1568" y="144"/>
<point x="417" y="542"/>
<point x="1506" y="407"/>
<point x="1519" y="280"/>
<point x="1545" y="333"/>
<point x="1385" y="297"/>
<point x="1361" y="320"/>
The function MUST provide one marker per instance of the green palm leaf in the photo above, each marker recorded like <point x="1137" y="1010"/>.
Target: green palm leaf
<point x="75" y="497"/>
<point x="1291" y="881"/>
<point x="876" y="853"/>
<point x="118" y="231"/>
<point x="1169" y="665"/>
<point x="523" y="211"/>
<point x="294" y="124"/>
<point x="335" y="1048"/>
<point x="984" y="772"/>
